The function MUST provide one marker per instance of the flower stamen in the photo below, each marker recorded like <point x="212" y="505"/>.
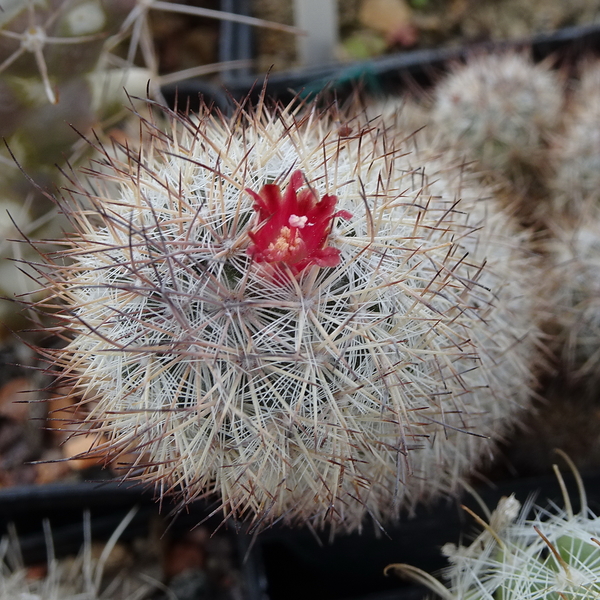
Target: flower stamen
<point x="296" y="221"/>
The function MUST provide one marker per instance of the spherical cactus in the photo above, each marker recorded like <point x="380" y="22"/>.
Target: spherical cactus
<point x="501" y="108"/>
<point x="553" y="554"/>
<point x="575" y="184"/>
<point x="316" y="327"/>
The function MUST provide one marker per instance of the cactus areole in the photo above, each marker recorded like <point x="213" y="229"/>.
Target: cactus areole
<point x="294" y="227"/>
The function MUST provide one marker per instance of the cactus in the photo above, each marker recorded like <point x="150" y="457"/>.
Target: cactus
<point x="576" y="152"/>
<point x="41" y="97"/>
<point x="317" y="327"/>
<point x="502" y="109"/>
<point x="554" y="554"/>
<point x="81" y="579"/>
<point x="43" y="114"/>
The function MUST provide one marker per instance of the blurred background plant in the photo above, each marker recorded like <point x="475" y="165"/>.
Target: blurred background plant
<point x="96" y="573"/>
<point x="502" y="109"/>
<point x="67" y="68"/>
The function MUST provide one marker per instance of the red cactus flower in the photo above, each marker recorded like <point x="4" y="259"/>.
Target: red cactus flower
<point x="294" y="228"/>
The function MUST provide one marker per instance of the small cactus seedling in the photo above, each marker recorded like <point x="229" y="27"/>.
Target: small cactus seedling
<point x="501" y="108"/>
<point x="555" y="554"/>
<point x="315" y="327"/>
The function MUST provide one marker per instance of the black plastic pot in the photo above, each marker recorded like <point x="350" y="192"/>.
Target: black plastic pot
<point x="279" y="563"/>
<point x="63" y="505"/>
<point x="383" y="75"/>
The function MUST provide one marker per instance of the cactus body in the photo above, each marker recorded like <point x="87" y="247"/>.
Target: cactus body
<point x="575" y="272"/>
<point x="356" y="375"/>
<point x="553" y="554"/>
<point x="502" y="109"/>
<point x="575" y="183"/>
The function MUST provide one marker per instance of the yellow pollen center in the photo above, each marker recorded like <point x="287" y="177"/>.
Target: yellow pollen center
<point x="285" y="245"/>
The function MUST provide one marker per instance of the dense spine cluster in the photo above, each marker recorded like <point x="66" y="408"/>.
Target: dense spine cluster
<point x="368" y="375"/>
<point x="553" y="554"/>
